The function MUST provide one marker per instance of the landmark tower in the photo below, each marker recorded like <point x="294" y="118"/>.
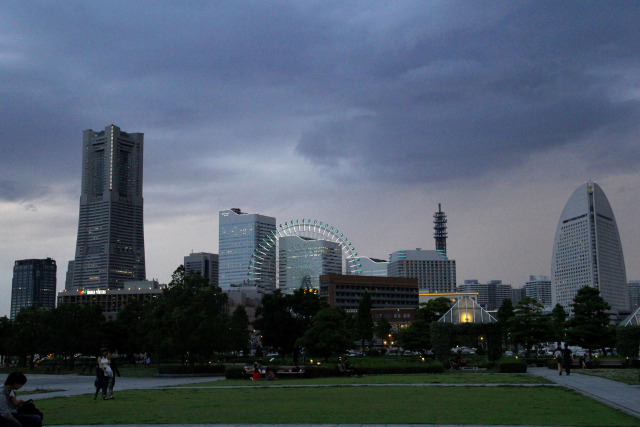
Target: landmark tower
<point x="110" y="245"/>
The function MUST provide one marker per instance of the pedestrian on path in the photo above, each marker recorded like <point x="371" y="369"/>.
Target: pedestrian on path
<point x="568" y="358"/>
<point x="558" y="356"/>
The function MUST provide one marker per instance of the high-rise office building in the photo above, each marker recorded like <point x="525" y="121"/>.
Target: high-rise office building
<point x="490" y="294"/>
<point x="302" y="260"/>
<point x="434" y="271"/>
<point x="539" y="287"/>
<point x="240" y="234"/>
<point x="110" y="245"/>
<point x="34" y="284"/>
<point x="634" y="294"/>
<point x="365" y="266"/>
<point x="587" y="250"/>
<point x="204" y="263"/>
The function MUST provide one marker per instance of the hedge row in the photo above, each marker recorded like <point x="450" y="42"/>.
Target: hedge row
<point x="191" y="370"/>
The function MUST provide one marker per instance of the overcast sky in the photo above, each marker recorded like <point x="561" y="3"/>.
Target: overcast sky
<point x="362" y="114"/>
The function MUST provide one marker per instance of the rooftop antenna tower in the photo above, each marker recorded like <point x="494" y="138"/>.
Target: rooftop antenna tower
<point x="440" y="230"/>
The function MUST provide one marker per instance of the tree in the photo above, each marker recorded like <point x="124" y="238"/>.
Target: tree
<point x="434" y="309"/>
<point x="188" y="319"/>
<point x="504" y="314"/>
<point x="529" y="327"/>
<point x="283" y="319"/>
<point x="558" y="321"/>
<point x="239" y="330"/>
<point x="416" y="336"/>
<point x="328" y="334"/>
<point x="363" y="328"/>
<point x="29" y="334"/>
<point x="5" y="338"/>
<point x="589" y="328"/>
<point x="382" y="328"/>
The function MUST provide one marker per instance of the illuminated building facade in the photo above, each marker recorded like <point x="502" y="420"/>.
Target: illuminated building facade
<point x="33" y="284"/>
<point x="587" y="250"/>
<point x="240" y="234"/>
<point x="110" y="244"/>
<point x="112" y="301"/>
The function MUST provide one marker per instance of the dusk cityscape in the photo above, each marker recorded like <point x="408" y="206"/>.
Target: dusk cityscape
<point x="362" y="115"/>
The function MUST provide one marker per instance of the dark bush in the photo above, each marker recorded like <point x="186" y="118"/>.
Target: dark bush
<point x="235" y="372"/>
<point x="191" y="370"/>
<point x="512" y="366"/>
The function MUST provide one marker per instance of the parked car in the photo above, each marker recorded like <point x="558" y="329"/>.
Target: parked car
<point x="508" y="353"/>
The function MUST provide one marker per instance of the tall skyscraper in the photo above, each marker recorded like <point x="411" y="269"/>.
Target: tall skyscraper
<point x="434" y="271"/>
<point x="110" y="246"/>
<point x="303" y="260"/>
<point x="204" y="263"/>
<point x="587" y="250"/>
<point x="240" y="234"/>
<point x="34" y="284"/>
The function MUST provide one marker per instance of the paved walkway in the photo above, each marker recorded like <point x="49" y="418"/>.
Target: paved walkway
<point x="613" y="393"/>
<point x="617" y="395"/>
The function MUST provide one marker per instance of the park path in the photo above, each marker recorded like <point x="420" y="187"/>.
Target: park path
<point x="612" y="393"/>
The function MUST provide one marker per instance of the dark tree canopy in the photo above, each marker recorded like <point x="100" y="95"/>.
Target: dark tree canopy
<point x="327" y="335"/>
<point x="589" y="326"/>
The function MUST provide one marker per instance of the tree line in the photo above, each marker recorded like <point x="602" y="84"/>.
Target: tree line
<point x="190" y="323"/>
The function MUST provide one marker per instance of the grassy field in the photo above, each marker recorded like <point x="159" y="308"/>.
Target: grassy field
<point x="627" y="376"/>
<point x="392" y="404"/>
<point x="455" y="377"/>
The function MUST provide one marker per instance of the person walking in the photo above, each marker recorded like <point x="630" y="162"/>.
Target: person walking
<point x="558" y="356"/>
<point x="104" y="362"/>
<point x="567" y="357"/>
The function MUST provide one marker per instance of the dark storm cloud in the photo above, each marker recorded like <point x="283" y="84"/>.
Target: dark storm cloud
<point x="384" y="91"/>
<point x="465" y="100"/>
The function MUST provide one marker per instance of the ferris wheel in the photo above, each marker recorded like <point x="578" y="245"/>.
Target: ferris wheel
<point x="263" y="264"/>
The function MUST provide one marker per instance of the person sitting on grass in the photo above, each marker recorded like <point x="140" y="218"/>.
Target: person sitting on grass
<point x="9" y="404"/>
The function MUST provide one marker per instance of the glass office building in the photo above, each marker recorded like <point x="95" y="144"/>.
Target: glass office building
<point x="33" y="284"/>
<point x="240" y="234"/>
<point x="301" y="261"/>
<point x="110" y="245"/>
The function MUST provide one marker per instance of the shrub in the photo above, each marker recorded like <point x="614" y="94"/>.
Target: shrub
<point x="234" y="372"/>
<point x="512" y="366"/>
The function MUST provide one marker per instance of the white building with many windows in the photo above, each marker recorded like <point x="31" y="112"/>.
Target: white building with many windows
<point x="587" y="250"/>
<point x="539" y="287"/>
<point x="433" y="269"/>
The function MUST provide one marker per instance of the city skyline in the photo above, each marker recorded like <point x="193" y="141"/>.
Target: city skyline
<point x="364" y="115"/>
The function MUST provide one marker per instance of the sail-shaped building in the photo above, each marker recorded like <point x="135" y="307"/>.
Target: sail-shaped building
<point x="587" y="250"/>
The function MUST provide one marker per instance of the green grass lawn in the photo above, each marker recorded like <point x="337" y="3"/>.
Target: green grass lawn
<point x="393" y="404"/>
<point x="456" y="377"/>
<point x="627" y="376"/>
